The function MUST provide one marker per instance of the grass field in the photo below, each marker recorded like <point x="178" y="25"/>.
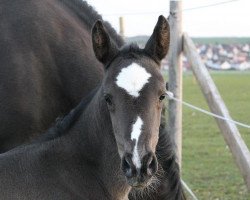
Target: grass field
<point x="208" y="167"/>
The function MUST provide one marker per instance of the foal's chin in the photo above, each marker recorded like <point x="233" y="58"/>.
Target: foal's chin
<point x="139" y="185"/>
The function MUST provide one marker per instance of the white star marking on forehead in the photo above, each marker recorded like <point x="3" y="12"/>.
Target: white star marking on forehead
<point x="135" y="134"/>
<point x="132" y="79"/>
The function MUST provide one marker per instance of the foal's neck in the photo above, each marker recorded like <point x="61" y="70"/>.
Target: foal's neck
<point x="99" y="146"/>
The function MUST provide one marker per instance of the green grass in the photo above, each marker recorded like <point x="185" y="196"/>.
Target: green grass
<point x="208" y="167"/>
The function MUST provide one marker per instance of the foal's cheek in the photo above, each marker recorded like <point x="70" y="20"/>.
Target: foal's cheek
<point x="118" y="137"/>
<point x="120" y="151"/>
<point x="120" y="148"/>
<point x="154" y="136"/>
<point x="156" y="129"/>
<point x="155" y="140"/>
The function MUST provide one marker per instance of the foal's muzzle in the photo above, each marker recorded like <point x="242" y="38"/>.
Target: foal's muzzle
<point x="139" y="177"/>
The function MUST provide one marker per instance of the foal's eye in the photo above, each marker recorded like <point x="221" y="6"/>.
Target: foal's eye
<point x="108" y="99"/>
<point x="162" y="97"/>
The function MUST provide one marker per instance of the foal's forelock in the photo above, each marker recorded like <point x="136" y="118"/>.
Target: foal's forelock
<point x="132" y="79"/>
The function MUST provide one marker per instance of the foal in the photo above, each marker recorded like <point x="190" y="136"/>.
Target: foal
<point x="106" y="147"/>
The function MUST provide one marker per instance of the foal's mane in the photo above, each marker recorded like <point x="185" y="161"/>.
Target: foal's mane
<point x="63" y="124"/>
<point x="89" y="16"/>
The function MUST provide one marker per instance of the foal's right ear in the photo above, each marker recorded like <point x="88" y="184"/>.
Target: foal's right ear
<point x="103" y="46"/>
<point x="158" y="44"/>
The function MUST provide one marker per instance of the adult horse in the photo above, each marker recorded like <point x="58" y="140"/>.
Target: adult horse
<point x="47" y="66"/>
<point x="106" y="145"/>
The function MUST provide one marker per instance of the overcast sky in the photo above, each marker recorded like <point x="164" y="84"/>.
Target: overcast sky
<point x="226" y="19"/>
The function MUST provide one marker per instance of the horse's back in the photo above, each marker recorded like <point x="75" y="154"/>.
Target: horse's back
<point x="46" y="67"/>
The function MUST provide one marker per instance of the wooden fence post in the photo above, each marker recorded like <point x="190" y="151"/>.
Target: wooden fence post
<point x="121" y="24"/>
<point x="175" y="75"/>
<point x="229" y="130"/>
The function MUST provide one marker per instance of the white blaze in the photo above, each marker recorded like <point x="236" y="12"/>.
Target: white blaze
<point x="136" y="132"/>
<point x="132" y="79"/>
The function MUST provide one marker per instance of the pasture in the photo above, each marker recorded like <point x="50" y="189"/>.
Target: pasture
<point x="208" y="167"/>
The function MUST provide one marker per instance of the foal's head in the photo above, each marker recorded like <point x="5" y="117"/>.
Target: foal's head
<point x="133" y="90"/>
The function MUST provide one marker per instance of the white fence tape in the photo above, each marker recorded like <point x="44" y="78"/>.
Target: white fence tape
<point x="170" y="96"/>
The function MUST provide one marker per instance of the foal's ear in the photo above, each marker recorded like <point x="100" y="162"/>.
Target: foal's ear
<point x="103" y="47"/>
<point x="158" y="44"/>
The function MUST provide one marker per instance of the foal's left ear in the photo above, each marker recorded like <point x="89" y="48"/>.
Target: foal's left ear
<point x="103" y="46"/>
<point x="158" y="44"/>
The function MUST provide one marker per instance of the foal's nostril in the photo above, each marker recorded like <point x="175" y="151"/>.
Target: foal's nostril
<point x="127" y="165"/>
<point x="150" y="164"/>
<point x="153" y="165"/>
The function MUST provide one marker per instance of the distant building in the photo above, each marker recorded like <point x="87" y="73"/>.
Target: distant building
<point x="220" y="57"/>
<point x="225" y="66"/>
<point x="224" y="56"/>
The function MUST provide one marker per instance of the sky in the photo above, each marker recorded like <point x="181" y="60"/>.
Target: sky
<point x="226" y="18"/>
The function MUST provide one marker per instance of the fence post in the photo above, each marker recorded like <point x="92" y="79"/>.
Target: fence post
<point x="175" y="75"/>
<point x="121" y="24"/>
